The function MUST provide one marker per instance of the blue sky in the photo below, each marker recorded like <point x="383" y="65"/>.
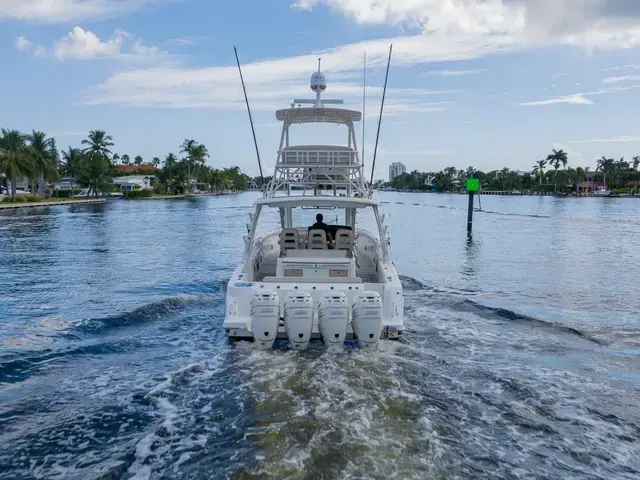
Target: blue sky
<point x="486" y="83"/>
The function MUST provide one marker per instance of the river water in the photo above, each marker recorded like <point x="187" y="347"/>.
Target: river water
<point x="521" y="358"/>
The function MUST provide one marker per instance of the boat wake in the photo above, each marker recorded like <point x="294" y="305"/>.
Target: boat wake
<point x="471" y="392"/>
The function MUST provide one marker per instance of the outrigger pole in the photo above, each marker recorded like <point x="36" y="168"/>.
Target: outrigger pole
<point x="384" y="91"/>
<point x="364" y="104"/>
<point x="255" y="141"/>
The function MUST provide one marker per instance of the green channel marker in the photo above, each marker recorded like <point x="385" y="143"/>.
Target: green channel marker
<point x="473" y="184"/>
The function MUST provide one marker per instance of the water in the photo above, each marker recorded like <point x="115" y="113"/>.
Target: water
<point x="521" y="358"/>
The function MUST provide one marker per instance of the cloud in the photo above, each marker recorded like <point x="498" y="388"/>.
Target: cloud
<point x="273" y="84"/>
<point x="592" y="23"/>
<point x="449" y="31"/>
<point x="181" y="42"/>
<point x="623" y="67"/>
<point x="621" y="139"/>
<point x="626" y="78"/>
<point x="55" y="11"/>
<point x="23" y="44"/>
<point x="579" y="98"/>
<point x="185" y="42"/>
<point x="569" y="99"/>
<point x="453" y="73"/>
<point x="80" y="44"/>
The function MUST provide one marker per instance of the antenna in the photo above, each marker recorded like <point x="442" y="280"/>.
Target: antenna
<point x="364" y="103"/>
<point x="255" y="141"/>
<point x="384" y="91"/>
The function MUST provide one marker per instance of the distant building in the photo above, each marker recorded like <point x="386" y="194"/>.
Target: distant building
<point x="396" y="169"/>
<point x="134" y="182"/>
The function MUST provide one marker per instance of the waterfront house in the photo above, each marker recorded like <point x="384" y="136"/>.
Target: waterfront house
<point x="134" y="182"/>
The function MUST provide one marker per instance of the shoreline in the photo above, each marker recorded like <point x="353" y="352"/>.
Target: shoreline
<point x="15" y="206"/>
<point x="508" y="194"/>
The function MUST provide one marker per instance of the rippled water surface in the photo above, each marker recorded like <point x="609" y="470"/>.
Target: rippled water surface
<point x="521" y="359"/>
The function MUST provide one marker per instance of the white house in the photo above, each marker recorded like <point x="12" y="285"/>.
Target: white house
<point x="134" y="182"/>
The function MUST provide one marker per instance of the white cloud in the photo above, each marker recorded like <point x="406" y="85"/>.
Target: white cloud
<point x="453" y="73"/>
<point x="451" y="30"/>
<point x="626" y="78"/>
<point x="624" y="67"/>
<point x="23" y="44"/>
<point x="590" y="23"/>
<point x="80" y="44"/>
<point x="54" y="11"/>
<point x="579" y="98"/>
<point x="621" y="139"/>
<point x="569" y="99"/>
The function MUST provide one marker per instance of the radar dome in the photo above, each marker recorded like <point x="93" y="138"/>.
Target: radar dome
<point x="318" y="82"/>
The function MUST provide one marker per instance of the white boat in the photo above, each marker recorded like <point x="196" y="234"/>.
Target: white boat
<point x="601" y="192"/>
<point x="292" y="282"/>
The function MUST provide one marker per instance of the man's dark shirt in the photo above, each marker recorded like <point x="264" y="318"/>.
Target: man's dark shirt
<point x="321" y="226"/>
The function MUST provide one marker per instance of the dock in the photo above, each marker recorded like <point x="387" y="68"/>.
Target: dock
<point x="13" y="206"/>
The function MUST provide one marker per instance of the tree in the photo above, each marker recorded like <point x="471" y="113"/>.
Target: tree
<point x="155" y="162"/>
<point x="636" y="162"/>
<point x="42" y="161"/>
<point x="606" y="166"/>
<point x="96" y="167"/>
<point x="539" y="168"/>
<point x="557" y="158"/>
<point x="137" y="160"/>
<point x="126" y="160"/>
<point x="115" y="158"/>
<point x="14" y="162"/>
<point x="73" y="159"/>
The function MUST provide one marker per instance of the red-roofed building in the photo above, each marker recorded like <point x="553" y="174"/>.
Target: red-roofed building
<point x="142" y="169"/>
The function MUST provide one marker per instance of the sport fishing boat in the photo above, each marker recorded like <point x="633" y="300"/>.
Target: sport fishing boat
<point x="300" y="283"/>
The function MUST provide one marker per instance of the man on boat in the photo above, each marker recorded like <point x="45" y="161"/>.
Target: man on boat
<point x="320" y="225"/>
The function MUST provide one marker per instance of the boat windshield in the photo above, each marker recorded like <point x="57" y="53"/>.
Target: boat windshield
<point x="305" y="217"/>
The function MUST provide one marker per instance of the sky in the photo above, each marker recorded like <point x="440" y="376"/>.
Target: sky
<point x="483" y="83"/>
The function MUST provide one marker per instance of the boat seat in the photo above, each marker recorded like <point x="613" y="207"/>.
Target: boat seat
<point x="344" y="240"/>
<point x="289" y="239"/>
<point x="317" y="240"/>
<point x="294" y="280"/>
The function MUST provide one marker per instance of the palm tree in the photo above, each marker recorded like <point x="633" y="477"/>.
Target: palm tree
<point x="39" y="151"/>
<point x="95" y="171"/>
<point x="539" y="168"/>
<point x="556" y="158"/>
<point x="137" y="160"/>
<point x="13" y="159"/>
<point x="188" y="147"/>
<point x="126" y="160"/>
<point x="73" y="162"/>
<point x="155" y="162"/>
<point x="606" y="166"/>
<point x="636" y="162"/>
<point x="115" y="158"/>
<point x="96" y="168"/>
<point x="98" y="144"/>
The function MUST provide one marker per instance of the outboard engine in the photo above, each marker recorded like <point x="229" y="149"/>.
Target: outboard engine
<point x="367" y="318"/>
<point x="265" y="317"/>
<point x="298" y="319"/>
<point x="333" y="319"/>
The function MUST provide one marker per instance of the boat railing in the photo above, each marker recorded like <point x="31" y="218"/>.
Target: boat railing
<point x="317" y="158"/>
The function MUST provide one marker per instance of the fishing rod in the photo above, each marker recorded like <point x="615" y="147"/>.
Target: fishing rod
<point x="375" y="150"/>
<point x="255" y="141"/>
